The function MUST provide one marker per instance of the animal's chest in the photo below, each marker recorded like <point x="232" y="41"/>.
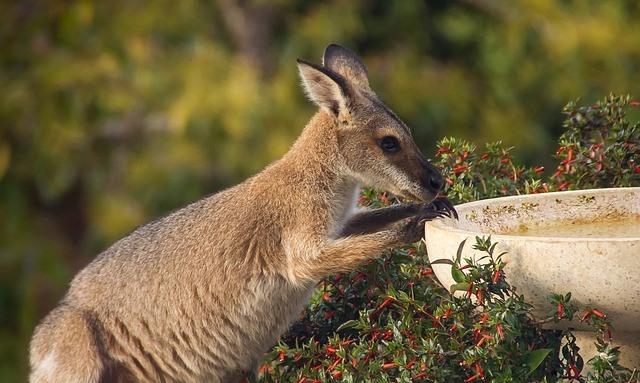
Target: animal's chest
<point x="275" y="305"/>
<point x="263" y="313"/>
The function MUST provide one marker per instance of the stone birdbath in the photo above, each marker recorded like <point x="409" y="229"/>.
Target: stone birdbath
<point x="586" y="242"/>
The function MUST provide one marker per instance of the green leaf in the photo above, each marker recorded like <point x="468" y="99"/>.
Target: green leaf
<point x="443" y="261"/>
<point x="462" y="286"/>
<point x="457" y="274"/>
<point x="348" y="324"/>
<point x="459" y="252"/>
<point x="536" y="357"/>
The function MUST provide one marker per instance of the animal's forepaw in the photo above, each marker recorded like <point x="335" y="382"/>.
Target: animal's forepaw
<point x="438" y="208"/>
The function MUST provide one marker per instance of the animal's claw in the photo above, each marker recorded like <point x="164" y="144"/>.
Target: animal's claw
<point x="439" y="208"/>
<point x="446" y="205"/>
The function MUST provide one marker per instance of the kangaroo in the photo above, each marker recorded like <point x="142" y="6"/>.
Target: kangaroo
<point x="201" y="294"/>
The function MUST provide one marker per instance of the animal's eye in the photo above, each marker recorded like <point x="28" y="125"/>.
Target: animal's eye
<point x="390" y="144"/>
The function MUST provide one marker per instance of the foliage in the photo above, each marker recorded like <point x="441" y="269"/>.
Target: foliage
<point x="407" y="329"/>
<point x="492" y="174"/>
<point x="391" y="321"/>
<point x="600" y="147"/>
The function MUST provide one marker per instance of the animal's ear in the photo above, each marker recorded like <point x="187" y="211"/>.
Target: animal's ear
<point x="325" y="88"/>
<point x="348" y="64"/>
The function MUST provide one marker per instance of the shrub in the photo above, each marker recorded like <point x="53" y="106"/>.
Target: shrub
<point x="600" y="147"/>
<point x="390" y="320"/>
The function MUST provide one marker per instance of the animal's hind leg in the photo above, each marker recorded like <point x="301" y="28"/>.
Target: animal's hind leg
<point x="63" y="349"/>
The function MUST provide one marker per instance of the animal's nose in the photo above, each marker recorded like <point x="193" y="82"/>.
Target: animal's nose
<point x="436" y="181"/>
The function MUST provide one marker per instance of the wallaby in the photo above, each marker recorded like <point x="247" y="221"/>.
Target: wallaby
<point x="201" y="294"/>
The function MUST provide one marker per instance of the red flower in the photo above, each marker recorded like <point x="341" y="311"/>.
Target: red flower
<point x="472" y="379"/>
<point x="496" y="276"/>
<point x="479" y="369"/>
<point x="500" y="331"/>
<point x="459" y="169"/>
<point x="385" y="303"/>
<point x="598" y="313"/>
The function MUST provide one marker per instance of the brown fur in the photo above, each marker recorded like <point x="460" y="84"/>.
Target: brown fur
<point x="202" y="293"/>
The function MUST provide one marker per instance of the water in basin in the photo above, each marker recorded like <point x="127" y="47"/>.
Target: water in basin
<point x="628" y="227"/>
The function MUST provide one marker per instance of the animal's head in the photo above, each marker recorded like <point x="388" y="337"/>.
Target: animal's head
<point x="375" y="145"/>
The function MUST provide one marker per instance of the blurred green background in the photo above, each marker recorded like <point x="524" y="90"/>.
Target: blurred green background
<point x="115" y="112"/>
